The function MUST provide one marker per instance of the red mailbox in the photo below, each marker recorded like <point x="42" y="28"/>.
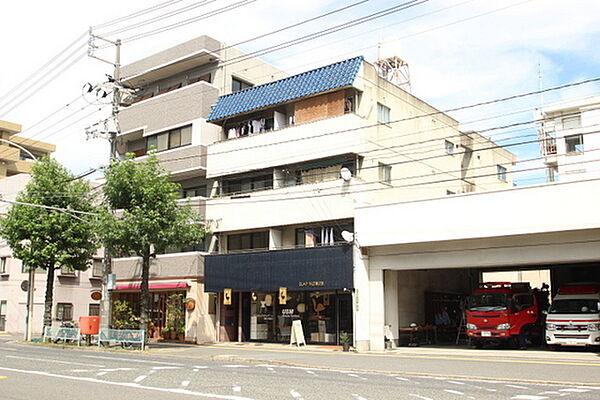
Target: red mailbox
<point x="89" y="325"/>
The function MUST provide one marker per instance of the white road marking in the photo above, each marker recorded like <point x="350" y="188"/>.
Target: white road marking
<point x="491" y="390"/>
<point x="454" y="392"/>
<point x="185" y="383"/>
<point x="516" y="387"/>
<point x="236" y="389"/>
<point x="420" y="397"/>
<point x="359" y="397"/>
<point x="134" y="360"/>
<point x="353" y="375"/>
<point x="115" y="369"/>
<point x="402" y="379"/>
<point x="295" y="394"/>
<point x="195" y="370"/>
<point x="54" y="361"/>
<point x="549" y="392"/>
<point x="101" y="373"/>
<point x="127" y="384"/>
<point x="200" y="366"/>
<point x="456" y="382"/>
<point x="270" y="369"/>
<point x="80" y="370"/>
<point x="310" y="372"/>
<point x="140" y="378"/>
<point x="574" y="390"/>
<point x="7" y="349"/>
<point x="165" y="368"/>
<point x="235" y="366"/>
<point x="528" y="397"/>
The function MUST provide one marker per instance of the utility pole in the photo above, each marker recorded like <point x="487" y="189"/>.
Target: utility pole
<point x="30" y="303"/>
<point x="111" y="135"/>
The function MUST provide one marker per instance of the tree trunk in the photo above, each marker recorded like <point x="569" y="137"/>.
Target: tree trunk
<point x="49" y="296"/>
<point x="145" y="291"/>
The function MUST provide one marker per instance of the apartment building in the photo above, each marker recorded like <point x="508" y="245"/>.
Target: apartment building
<point x="167" y="111"/>
<point x="569" y="139"/>
<point x="74" y="291"/>
<point x="292" y="161"/>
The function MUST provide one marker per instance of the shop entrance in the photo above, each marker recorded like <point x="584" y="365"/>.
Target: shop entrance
<point x="324" y="315"/>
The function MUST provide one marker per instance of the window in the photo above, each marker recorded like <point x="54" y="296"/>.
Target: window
<point x="97" y="268"/>
<point x="248" y="241"/>
<point x="167" y="140"/>
<point x="205" y="78"/>
<point x="247" y="185"/>
<point x="25" y="269"/>
<point x="2" y="265"/>
<point x="65" y="270"/>
<point x="313" y="236"/>
<point x="194" y="191"/>
<point x="449" y="147"/>
<point x="94" y="310"/>
<point x="385" y="173"/>
<point x="571" y="122"/>
<point x="237" y="85"/>
<point x="2" y="315"/>
<point x="383" y="114"/>
<point x="501" y="172"/>
<point x="574" y="143"/>
<point x="64" y="312"/>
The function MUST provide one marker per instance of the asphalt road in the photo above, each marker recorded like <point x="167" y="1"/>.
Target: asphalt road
<point x="41" y="372"/>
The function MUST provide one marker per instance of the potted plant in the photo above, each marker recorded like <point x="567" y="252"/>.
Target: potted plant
<point x="166" y="332"/>
<point x="175" y="315"/>
<point x="345" y="340"/>
<point x="181" y="333"/>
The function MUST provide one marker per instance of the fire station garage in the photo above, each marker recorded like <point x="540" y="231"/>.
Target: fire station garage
<point x="423" y="258"/>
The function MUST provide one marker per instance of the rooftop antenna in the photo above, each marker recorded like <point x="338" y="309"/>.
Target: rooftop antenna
<point x="393" y="69"/>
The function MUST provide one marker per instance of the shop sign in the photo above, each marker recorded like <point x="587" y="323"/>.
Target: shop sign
<point x="227" y="297"/>
<point x="282" y="295"/>
<point x="311" y="283"/>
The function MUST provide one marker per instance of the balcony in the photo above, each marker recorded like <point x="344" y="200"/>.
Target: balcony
<point x="176" y="265"/>
<point x="331" y="200"/>
<point x="198" y="204"/>
<point x="170" y="109"/>
<point x="184" y="162"/>
<point x="293" y="144"/>
<point x="267" y="271"/>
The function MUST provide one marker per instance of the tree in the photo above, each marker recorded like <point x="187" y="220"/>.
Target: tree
<point x="51" y="239"/>
<point x="147" y="216"/>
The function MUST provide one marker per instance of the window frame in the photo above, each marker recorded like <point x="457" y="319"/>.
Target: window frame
<point x="242" y="84"/>
<point x="95" y="263"/>
<point x="385" y="173"/>
<point x="501" y="172"/>
<point x="63" y="309"/>
<point x="383" y="114"/>
<point x="449" y="146"/>
<point x="93" y="305"/>
<point x="167" y="139"/>
<point x="3" y="263"/>
<point x="568" y="145"/>
<point x="251" y="238"/>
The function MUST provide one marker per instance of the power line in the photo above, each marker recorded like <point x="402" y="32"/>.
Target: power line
<point x="137" y="14"/>
<point x="189" y="21"/>
<point x="9" y="92"/>
<point x="160" y="17"/>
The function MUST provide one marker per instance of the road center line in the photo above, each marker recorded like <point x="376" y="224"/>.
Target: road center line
<point x="55" y="361"/>
<point x="126" y="384"/>
<point x="140" y="378"/>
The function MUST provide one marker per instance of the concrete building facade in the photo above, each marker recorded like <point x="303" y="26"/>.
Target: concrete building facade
<point x="570" y="139"/>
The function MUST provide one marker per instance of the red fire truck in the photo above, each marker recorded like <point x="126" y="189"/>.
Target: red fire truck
<point x="506" y="312"/>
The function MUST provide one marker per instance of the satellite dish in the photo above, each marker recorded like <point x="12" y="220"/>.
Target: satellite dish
<point x="348" y="236"/>
<point x="346" y="174"/>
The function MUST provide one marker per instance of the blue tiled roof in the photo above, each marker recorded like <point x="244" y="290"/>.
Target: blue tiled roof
<point x="307" y="83"/>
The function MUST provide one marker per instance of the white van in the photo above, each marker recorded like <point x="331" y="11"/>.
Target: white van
<point x="574" y="316"/>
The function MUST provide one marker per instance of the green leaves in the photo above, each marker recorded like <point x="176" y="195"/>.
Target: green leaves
<point x="147" y="211"/>
<point x="49" y="238"/>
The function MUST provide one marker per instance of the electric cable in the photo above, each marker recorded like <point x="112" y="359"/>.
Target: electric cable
<point x="136" y="14"/>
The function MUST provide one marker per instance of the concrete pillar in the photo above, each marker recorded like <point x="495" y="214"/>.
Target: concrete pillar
<point x="361" y="301"/>
<point x="275" y="239"/>
<point x="377" y="310"/>
<point x="390" y="288"/>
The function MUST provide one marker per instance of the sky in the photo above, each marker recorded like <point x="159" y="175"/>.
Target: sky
<point x="460" y="52"/>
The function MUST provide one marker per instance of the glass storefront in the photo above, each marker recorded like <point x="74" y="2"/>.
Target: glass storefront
<point x="324" y="314"/>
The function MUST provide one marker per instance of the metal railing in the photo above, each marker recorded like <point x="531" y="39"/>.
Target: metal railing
<point x="56" y="333"/>
<point x="127" y="338"/>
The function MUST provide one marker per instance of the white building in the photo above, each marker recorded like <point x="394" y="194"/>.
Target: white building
<point x="569" y="135"/>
